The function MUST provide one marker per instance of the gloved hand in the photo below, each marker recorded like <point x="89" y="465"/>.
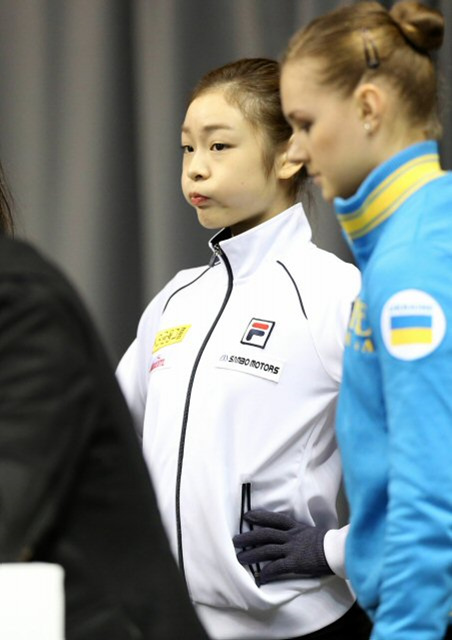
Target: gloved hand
<point x="286" y="545"/>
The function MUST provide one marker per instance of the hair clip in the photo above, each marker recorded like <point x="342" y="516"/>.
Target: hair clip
<point x="370" y="50"/>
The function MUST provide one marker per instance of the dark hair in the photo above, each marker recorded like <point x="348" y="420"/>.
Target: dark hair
<point x="252" y="84"/>
<point x="362" y="41"/>
<point x="6" y="218"/>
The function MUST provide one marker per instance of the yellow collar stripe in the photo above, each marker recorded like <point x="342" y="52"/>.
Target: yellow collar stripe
<point x="390" y="194"/>
<point x="389" y="181"/>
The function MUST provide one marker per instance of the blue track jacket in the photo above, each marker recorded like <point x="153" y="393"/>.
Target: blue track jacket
<point x="395" y="408"/>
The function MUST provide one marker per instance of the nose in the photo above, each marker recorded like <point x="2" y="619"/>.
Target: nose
<point x="296" y="151"/>
<point x="196" y="166"/>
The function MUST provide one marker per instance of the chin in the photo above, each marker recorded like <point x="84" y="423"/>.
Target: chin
<point x="328" y="194"/>
<point x="207" y="222"/>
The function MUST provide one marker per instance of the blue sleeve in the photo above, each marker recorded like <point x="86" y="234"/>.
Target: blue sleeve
<point x="415" y="594"/>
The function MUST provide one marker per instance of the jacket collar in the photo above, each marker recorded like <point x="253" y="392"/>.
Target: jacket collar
<point x="384" y="190"/>
<point x="248" y="250"/>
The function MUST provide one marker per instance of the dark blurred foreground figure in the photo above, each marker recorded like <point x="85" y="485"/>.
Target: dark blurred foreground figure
<point x="74" y="488"/>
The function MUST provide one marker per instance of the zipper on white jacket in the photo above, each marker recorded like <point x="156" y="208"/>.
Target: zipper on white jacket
<point x="220" y="254"/>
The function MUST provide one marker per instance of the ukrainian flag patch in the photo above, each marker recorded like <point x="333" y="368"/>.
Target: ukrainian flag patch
<point x="411" y="329"/>
<point x="413" y="324"/>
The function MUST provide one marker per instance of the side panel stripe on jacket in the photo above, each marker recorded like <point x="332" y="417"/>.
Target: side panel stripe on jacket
<point x="184" y="287"/>
<point x="295" y="285"/>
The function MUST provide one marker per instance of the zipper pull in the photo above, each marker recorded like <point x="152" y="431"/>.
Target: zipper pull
<point x="215" y="258"/>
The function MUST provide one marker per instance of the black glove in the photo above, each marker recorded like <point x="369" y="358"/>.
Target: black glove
<point x="286" y="545"/>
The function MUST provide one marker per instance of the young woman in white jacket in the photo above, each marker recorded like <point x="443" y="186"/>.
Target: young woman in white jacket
<point x="233" y="379"/>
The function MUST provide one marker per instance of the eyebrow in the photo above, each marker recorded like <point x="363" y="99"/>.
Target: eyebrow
<point x="208" y="128"/>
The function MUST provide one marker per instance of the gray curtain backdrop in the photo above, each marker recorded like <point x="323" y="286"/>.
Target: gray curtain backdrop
<point x="92" y="96"/>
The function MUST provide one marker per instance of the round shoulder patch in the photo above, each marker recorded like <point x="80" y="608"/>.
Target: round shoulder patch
<point x="413" y="324"/>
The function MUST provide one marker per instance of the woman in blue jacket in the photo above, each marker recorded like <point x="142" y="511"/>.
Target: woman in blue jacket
<point x="364" y="116"/>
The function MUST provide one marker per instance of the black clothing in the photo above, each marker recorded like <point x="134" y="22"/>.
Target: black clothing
<point x="74" y="488"/>
<point x="354" y="625"/>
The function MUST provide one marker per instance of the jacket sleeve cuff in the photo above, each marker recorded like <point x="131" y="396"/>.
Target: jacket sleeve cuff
<point x="334" y="549"/>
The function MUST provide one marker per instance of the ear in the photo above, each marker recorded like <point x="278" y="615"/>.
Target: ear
<point x="371" y="103"/>
<point x="285" y="168"/>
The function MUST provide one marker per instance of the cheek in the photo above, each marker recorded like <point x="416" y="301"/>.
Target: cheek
<point x="333" y="150"/>
<point x="319" y="143"/>
<point x="185" y="189"/>
<point x="249" y="185"/>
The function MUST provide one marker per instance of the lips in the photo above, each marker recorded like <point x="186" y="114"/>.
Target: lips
<point x="197" y="199"/>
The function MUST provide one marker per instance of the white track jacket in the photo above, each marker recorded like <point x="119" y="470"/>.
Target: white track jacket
<point x="232" y="380"/>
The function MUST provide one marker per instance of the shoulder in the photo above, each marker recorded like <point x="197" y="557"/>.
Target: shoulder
<point x="331" y="289"/>
<point x="185" y="278"/>
<point x="408" y="281"/>
<point x="418" y="261"/>
<point x="33" y="290"/>
<point x="22" y="265"/>
<point x="329" y="267"/>
<point x="179" y="282"/>
<point x="423" y="218"/>
<point x="328" y="287"/>
<point x="18" y="258"/>
<point x="323" y="278"/>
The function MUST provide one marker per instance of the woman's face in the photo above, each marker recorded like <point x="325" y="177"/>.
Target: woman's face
<point x="328" y="130"/>
<point x="223" y="173"/>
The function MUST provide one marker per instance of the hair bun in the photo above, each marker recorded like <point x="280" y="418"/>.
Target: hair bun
<point x="422" y="26"/>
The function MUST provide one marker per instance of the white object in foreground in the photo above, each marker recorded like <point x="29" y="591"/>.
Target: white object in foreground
<point x="31" y="601"/>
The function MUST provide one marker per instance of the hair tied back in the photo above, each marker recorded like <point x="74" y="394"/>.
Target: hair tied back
<point x="422" y="26"/>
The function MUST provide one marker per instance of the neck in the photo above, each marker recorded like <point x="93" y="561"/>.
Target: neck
<point x="395" y="139"/>
<point x="279" y="204"/>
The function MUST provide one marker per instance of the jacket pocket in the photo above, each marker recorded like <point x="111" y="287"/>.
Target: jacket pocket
<point x="244" y="526"/>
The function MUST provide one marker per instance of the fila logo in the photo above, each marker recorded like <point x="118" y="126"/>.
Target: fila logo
<point x="257" y="332"/>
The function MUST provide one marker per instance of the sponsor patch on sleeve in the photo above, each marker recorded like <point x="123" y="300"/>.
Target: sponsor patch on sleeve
<point x="270" y="369"/>
<point x="158" y="363"/>
<point x="413" y="324"/>
<point x="170" y="336"/>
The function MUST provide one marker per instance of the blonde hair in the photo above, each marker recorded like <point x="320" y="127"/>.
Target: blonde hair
<point x="363" y="41"/>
